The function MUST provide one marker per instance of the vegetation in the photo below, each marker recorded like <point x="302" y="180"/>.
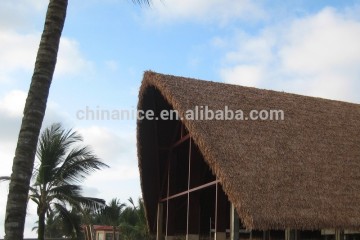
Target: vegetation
<point x="133" y="222"/>
<point x="62" y="166"/>
<point x="130" y="219"/>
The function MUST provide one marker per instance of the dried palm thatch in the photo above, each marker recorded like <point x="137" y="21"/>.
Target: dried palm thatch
<point x="300" y="173"/>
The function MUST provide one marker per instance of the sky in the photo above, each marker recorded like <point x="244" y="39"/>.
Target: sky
<point x="302" y="46"/>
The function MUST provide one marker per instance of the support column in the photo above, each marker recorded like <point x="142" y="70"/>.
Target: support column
<point x="194" y="216"/>
<point x="170" y="204"/>
<point x="171" y="224"/>
<point x="234" y="223"/>
<point x="159" y="223"/>
<point x="266" y="235"/>
<point x="221" y="216"/>
<point x="339" y="234"/>
<point x="291" y="234"/>
<point x="194" y="197"/>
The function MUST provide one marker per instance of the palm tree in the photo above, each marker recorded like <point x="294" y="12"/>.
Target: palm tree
<point x="142" y="224"/>
<point x="112" y="213"/>
<point x="62" y="166"/>
<point x="34" y="112"/>
<point x="133" y="222"/>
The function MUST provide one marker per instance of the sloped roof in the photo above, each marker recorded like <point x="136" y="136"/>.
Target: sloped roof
<point x="301" y="173"/>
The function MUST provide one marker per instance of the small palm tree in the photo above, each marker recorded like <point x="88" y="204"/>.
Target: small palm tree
<point x="63" y="164"/>
<point x="133" y="222"/>
<point x="112" y="213"/>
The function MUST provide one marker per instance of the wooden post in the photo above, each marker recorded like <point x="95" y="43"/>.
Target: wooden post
<point x="194" y="217"/>
<point x="287" y="234"/>
<point x="159" y="223"/>
<point x="339" y="234"/>
<point x="291" y="234"/>
<point x="222" y="214"/>
<point x="266" y="235"/>
<point x="234" y="223"/>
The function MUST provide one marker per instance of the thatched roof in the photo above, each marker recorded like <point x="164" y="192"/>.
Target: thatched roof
<point x="300" y="173"/>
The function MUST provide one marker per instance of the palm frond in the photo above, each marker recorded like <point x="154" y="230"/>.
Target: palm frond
<point x="91" y="203"/>
<point x="79" y="163"/>
<point x="71" y="221"/>
<point x="34" y="195"/>
<point x="79" y="202"/>
<point x="50" y="152"/>
<point x="34" y="199"/>
<point x="132" y="202"/>
<point x="5" y="178"/>
<point x="66" y="190"/>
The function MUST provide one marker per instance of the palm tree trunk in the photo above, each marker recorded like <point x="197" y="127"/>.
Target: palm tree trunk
<point x="34" y="112"/>
<point x="41" y="226"/>
<point x="113" y="233"/>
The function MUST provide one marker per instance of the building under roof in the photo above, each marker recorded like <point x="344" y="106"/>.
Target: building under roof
<point x="295" y="177"/>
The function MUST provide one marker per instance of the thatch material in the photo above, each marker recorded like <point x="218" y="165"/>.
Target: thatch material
<point x="300" y="173"/>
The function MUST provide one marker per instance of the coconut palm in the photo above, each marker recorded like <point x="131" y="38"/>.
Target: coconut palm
<point x="34" y="112"/>
<point x="63" y="164"/>
<point x="133" y="222"/>
<point x="112" y="213"/>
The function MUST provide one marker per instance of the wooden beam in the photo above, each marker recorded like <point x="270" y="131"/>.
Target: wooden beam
<point x="180" y="141"/>
<point x="175" y="143"/>
<point x="190" y="190"/>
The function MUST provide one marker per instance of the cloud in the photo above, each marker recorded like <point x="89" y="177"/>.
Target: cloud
<point x="18" y="53"/>
<point x="25" y="10"/>
<point x="70" y="59"/>
<point x="12" y="104"/>
<point x="114" y="149"/>
<point x="331" y="41"/>
<point x="315" y="55"/>
<point x="20" y="38"/>
<point x="118" y="150"/>
<point x="11" y="108"/>
<point x="220" y="11"/>
<point x="119" y="181"/>
<point x="90" y="191"/>
<point x="11" y="111"/>
<point x="248" y="75"/>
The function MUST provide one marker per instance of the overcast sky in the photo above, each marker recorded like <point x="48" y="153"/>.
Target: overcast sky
<point x="304" y="46"/>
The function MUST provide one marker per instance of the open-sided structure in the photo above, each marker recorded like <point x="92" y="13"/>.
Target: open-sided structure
<point x="293" y="175"/>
